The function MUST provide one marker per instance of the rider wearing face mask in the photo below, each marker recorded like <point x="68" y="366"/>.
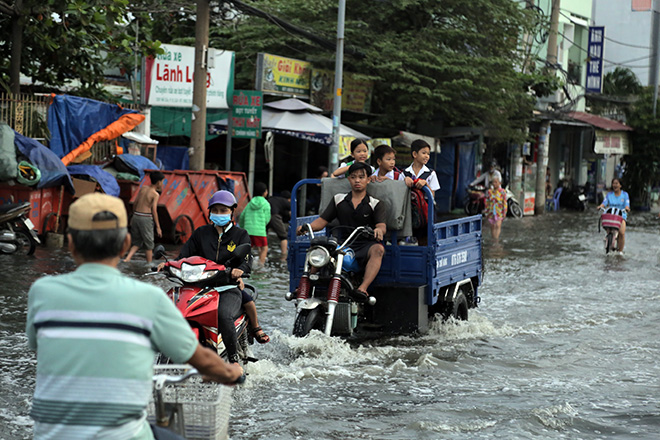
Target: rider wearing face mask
<point x="217" y="241"/>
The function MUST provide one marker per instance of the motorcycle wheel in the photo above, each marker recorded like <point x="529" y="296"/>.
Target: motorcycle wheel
<point x="25" y="245"/>
<point x="472" y="208"/>
<point x="309" y="320"/>
<point x="458" y="309"/>
<point x="515" y="210"/>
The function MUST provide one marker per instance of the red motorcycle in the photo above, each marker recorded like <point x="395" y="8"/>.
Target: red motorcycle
<point x="201" y="281"/>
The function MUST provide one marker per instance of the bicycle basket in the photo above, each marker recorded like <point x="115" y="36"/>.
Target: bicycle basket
<point x="206" y="406"/>
<point x="611" y="220"/>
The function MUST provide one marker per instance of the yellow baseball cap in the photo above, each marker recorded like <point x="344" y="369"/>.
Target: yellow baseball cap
<point x="83" y="210"/>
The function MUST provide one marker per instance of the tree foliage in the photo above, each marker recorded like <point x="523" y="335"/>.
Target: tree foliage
<point x="69" y="40"/>
<point x="643" y="166"/>
<point x="450" y="61"/>
<point x="620" y="87"/>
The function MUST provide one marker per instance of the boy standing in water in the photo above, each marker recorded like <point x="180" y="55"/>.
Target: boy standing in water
<point x="145" y="216"/>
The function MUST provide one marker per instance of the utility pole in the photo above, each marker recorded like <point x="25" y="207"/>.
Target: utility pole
<point x="655" y="58"/>
<point x="198" y="125"/>
<point x="544" y="135"/>
<point x="333" y="159"/>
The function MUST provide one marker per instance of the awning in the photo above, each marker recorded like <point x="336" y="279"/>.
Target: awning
<point x="300" y="123"/>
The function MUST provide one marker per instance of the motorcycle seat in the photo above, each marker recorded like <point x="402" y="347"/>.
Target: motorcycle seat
<point x="9" y="207"/>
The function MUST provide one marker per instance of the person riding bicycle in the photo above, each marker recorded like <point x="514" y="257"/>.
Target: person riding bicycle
<point x="617" y="198"/>
<point x="217" y="241"/>
<point x="355" y="209"/>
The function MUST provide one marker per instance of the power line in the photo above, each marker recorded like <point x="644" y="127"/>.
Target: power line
<point x="626" y="44"/>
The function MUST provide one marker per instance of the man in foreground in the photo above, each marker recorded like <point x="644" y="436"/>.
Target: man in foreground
<point x="355" y="209"/>
<point x="96" y="333"/>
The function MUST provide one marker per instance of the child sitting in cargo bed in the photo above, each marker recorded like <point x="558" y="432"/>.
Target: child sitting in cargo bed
<point x="385" y="158"/>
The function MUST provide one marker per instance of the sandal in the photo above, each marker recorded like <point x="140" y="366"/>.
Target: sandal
<point x="260" y="335"/>
<point x="359" y="295"/>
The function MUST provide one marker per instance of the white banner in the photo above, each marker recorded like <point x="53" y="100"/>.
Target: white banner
<point x="169" y="78"/>
<point x="611" y="142"/>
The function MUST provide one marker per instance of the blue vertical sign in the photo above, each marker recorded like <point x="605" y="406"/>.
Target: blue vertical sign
<point x="595" y="61"/>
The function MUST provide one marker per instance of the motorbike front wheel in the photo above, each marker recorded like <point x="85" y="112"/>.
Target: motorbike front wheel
<point x="515" y="210"/>
<point x="308" y="320"/>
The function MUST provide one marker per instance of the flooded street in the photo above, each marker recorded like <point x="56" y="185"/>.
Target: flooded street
<point x="563" y="346"/>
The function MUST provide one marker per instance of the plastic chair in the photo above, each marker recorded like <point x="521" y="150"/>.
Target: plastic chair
<point x="553" y="203"/>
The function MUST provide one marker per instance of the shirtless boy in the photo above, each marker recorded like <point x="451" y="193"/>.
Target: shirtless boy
<point x="145" y="216"/>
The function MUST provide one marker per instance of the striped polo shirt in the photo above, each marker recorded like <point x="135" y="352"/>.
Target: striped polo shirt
<point x="96" y="333"/>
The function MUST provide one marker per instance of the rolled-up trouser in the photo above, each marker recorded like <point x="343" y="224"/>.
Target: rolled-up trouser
<point x="229" y="308"/>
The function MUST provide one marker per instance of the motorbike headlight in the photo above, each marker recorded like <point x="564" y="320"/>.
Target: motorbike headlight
<point x="192" y="273"/>
<point x="319" y="256"/>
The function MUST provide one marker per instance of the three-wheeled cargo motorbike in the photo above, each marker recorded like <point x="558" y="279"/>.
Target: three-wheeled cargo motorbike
<point x="415" y="284"/>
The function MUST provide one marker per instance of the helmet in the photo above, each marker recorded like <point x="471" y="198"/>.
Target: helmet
<point x="223" y="198"/>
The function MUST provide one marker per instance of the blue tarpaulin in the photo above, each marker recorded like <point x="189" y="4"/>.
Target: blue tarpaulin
<point x="173" y="158"/>
<point x="130" y="163"/>
<point x="53" y="171"/>
<point x="466" y="169"/>
<point x="106" y="180"/>
<point x="71" y="120"/>
<point x="445" y="171"/>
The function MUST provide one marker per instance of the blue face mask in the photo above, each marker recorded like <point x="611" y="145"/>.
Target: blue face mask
<point x="220" y="219"/>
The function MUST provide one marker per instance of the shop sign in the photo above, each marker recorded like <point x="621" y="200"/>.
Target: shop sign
<point x="345" y="145"/>
<point x="169" y="78"/>
<point x="611" y="143"/>
<point x="596" y="49"/>
<point x="246" y="114"/>
<point x="282" y="76"/>
<point x="355" y="95"/>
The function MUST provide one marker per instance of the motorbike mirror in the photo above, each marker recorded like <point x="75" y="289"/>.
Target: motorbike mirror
<point x="241" y="251"/>
<point x="159" y="252"/>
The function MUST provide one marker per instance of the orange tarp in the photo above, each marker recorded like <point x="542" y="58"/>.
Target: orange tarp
<point x="120" y="126"/>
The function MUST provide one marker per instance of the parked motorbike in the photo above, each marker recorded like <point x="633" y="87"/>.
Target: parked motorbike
<point x="514" y="209"/>
<point x="17" y="232"/>
<point x="475" y="202"/>
<point x="573" y="198"/>
<point x="201" y="281"/>
<point x="323" y="297"/>
<point x="611" y="219"/>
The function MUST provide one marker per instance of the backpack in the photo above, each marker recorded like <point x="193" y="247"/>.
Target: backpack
<point x="419" y="204"/>
<point x="420" y="208"/>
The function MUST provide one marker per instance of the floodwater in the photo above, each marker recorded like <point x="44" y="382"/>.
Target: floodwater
<point x="565" y="345"/>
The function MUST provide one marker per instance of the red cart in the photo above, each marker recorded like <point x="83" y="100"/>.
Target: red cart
<point x="183" y="204"/>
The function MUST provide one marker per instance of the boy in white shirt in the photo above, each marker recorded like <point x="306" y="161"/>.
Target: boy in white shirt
<point x="385" y="158"/>
<point x="418" y="172"/>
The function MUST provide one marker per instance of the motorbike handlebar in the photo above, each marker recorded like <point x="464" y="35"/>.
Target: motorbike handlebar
<point x="160" y="380"/>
